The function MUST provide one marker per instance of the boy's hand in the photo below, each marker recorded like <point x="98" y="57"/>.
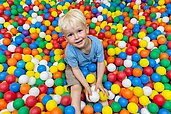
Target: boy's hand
<point x="88" y="93"/>
<point x="100" y="86"/>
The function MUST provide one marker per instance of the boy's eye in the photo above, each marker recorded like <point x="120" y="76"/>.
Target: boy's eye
<point x="80" y="30"/>
<point x="69" y="35"/>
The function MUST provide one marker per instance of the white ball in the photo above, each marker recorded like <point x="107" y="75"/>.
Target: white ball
<point x="126" y="83"/>
<point x="82" y="105"/>
<point x="93" y="88"/>
<point x="34" y="15"/>
<point x="122" y="44"/>
<point x="32" y="81"/>
<point x="157" y="60"/>
<point x="94" y="20"/>
<point x="49" y="82"/>
<point x="11" y="48"/>
<point x="47" y="68"/>
<point x="57" y="98"/>
<point x="44" y="75"/>
<point x="158" y="15"/>
<point x="55" y="63"/>
<point x="10" y="27"/>
<point x="100" y="18"/>
<point x="43" y="62"/>
<point x="111" y="95"/>
<point x="94" y="97"/>
<point x="141" y="13"/>
<point x="127" y="63"/>
<point x="26" y="26"/>
<point x="145" y="111"/>
<point x="100" y="8"/>
<point x="42" y="34"/>
<point x="117" y="98"/>
<point x="165" y="19"/>
<point x="133" y="21"/>
<point x="138" y="2"/>
<point x="2" y="20"/>
<point x="10" y="106"/>
<point x="146" y="38"/>
<point x="35" y="61"/>
<point x="50" y="75"/>
<point x="161" y="28"/>
<point x="150" y="45"/>
<point x="129" y="57"/>
<point x="39" y="18"/>
<point x="35" y="8"/>
<point x="34" y="91"/>
<point x="33" y="21"/>
<point x="23" y="79"/>
<point x="25" y="97"/>
<point x="35" y="67"/>
<point x="111" y="67"/>
<point x="147" y="90"/>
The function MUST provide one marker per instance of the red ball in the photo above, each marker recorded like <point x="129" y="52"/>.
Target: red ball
<point x="110" y="42"/>
<point x="27" y="40"/>
<point x="31" y="101"/>
<point x="66" y="100"/>
<point x="135" y="42"/>
<point x="121" y="76"/>
<point x="6" y="17"/>
<point x="148" y="71"/>
<point x="97" y="4"/>
<point x="4" y="87"/>
<point x="7" y="53"/>
<point x="107" y="28"/>
<point x="20" y="22"/>
<point x="92" y="32"/>
<point x="128" y="71"/>
<point x="154" y="25"/>
<point x="118" y="82"/>
<point x="35" y="110"/>
<point x="7" y="35"/>
<point x="118" y="62"/>
<point x="101" y="35"/>
<point x="111" y="77"/>
<point x="51" y="18"/>
<point x="88" y="7"/>
<point x="150" y="84"/>
<point x="43" y="88"/>
<point x="159" y="100"/>
<point x="168" y="74"/>
<point x="26" y="8"/>
<point x="110" y="19"/>
<point x="169" y="44"/>
<point x="19" y="95"/>
<point x="130" y="50"/>
<point x="19" y="50"/>
<point x="110" y="102"/>
<point x="82" y="96"/>
<point x="46" y="51"/>
<point x="10" y="79"/>
<point x="9" y="96"/>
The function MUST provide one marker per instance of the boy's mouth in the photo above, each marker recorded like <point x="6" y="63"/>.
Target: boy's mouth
<point x="77" y="42"/>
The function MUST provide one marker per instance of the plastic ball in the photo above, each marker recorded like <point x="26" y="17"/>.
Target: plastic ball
<point x="10" y="106"/>
<point x="94" y="97"/>
<point x="88" y="109"/>
<point x="23" y="109"/>
<point x="92" y="67"/>
<point x="90" y="78"/>
<point x="144" y="62"/>
<point x="97" y="107"/>
<point x="103" y="97"/>
<point x="18" y="103"/>
<point x="152" y="108"/>
<point x="44" y="75"/>
<point x="144" y="111"/>
<point x="127" y="63"/>
<point x="107" y="110"/>
<point x="23" y="79"/>
<point x="166" y="94"/>
<point x="34" y="91"/>
<point x="50" y="105"/>
<point x="161" y="70"/>
<point x="147" y="90"/>
<point x="35" y="110"/>
<point x="123" y="102"/>
<point x="30" y="101"/>
<point x="126" y="83"/>
<point x="144" y="100"/>
<point x="66" y="100"/>
<point x="115" y="88"/>
<point x="158" y="86"/>
<point x="159" y="100"/>
<point x="132" y="107"/>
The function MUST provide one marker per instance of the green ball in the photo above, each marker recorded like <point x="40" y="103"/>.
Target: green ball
<point x="165" y="63"/>
<point x="18" y="103"/>
<point x="153" y="15"/>
<point x="150" y="2"/>
<point x="92" y="25"/>
<point x="63" y="75"/>
<point x="65" y="11"/>
<point x="116" y="19"/>
<point x="20" y="10"/>
<point x="163" y="48"/>
<point x="52" y="60"/>
<point x="118" y="8"/>
<point x="91" y="104"/>
<point x="164" y="79"/>
<point x="42" y="54"/>
<point x="65" y="94"/>
<point x="157" y="50"/>
<point x="39" y="82"/>
<point x="42" y="44"/>
<point x="121" y="68"/>
<point x="104" y="79"/>
<point x="126" y="9"/>
<point x="167" y="86"/>
<point x="14" y="11"/>
<point x="154" y="55"/>
<point x="116" y="107"/>
<point x="112" y="8"/>
<point x="87" y="1"/>
<point x="135" y="35"/>
<point x="150" y="29"/>
<point x="1" y="95"/>
<point x="130" y="15"/>
<point x="24" y="45"/>
<point x="62" y="108"/>
<point x="23" y="110"/>
<point x="2" y="58"/>
<point x="141" y="22"/>
<point x="169" y="37"/>
<point x="113" y="31"/>
<point x="152" y="107"/>
<point x="167" y="105"/>
<point x="59" y="82"/>
<point x="40" y="12"/>
<point x="168" y="68"/>
<point x="61" y="61"/>
<point x="13" y="7"/>
<point x="125" y="38"/>
<point x="15" y="24"/>
<point x="110" y="46"/>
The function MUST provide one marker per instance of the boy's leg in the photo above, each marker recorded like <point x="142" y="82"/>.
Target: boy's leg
<point x="76" y="98"/>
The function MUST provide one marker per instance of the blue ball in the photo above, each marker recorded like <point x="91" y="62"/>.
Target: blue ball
<point x="97" y="107"/>
<point x="136" y="57"/>
<point x="41" y="68"/>
<point x="123" y="102"/>
<point x="92" y="67"/>
<point x="19" y="40"/>
<point x="46" y="98"/>
<point x="5" y="66"/>
<point x="144" y="79"/>
<point x="3" y="75"/>
<point x="85" y="72"/>
<point x="152" y="63"/>
<point x="15" y="87"/>
<point x="94" y="10"/>
<point x="108" y="85"/>
<point x="134" y="64"/>
<point x="156" y="77"/>
<point x="19" y="71"/>
<point x="69" y="110"/>
<point x="136" y="81"/>
<point x="50" y="91"/>
<point x="122" y="55"/>
<point x="163" y="111"/>
<point x="21" y="64"/>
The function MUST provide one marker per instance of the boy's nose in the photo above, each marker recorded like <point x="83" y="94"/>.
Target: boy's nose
<point x="76" y="36"/>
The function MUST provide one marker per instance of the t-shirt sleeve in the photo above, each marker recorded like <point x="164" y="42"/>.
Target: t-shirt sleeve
<point x="70" y="58"/>
<point x="100" y="52"/>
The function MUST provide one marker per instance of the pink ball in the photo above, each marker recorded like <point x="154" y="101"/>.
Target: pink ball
<point x="31" y="101"/>
<point x="9" y="96"/>
<point x="66" y="100"/>
<point x="111" y="77"/>
<point x="35" y="110"/>
<point x="159" y="100"/>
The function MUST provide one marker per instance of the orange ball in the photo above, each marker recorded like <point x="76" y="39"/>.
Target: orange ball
<point x="3" y="104"/>
<point x="14" y="31"/>
<point x="56" y="111"/>
<point x="24" y="88"/>
<point x="161" y="40"/>
<point x="88" y="109"/>
<point x="35" y="52"/>
<point x="130" y="26"/>
<point x="137" y="72"/>
<point x="11" y="61"/>
<point x="17" y="56"/>
<point x="108" y="34"/>
<point x="54" y="36"/>
<point x="57" y="75"/>
<point x="104" y="43"/>
<point x="34" y="36"/>
<point x="127" y="93"/>
<point x="15" y="112"/>
<point x="64" y="44"/>
<point x="163" y="56"/>
<point x="124" y="112"/>
<point x="6" y="41"/>
<point x="27" y="51"/>
<point x="110" y="59"/>
<point x="133" y="99"/>
<point x="144" y="53"/>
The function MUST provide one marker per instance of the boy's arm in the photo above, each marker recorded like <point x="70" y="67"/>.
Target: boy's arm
<point x="100" y="71"/>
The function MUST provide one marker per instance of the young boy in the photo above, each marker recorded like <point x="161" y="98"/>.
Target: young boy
<point x="81" y="50"/>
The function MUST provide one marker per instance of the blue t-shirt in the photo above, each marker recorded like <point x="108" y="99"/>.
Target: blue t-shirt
<point x="76" y="58"/>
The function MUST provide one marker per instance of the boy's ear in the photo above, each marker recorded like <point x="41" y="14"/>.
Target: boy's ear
<point x="65" y="38"/>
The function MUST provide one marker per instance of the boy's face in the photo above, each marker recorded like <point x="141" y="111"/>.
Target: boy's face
<point x="76" y="36"/>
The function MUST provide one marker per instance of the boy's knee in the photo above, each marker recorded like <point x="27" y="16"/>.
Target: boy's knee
<point x="76" y="87"/>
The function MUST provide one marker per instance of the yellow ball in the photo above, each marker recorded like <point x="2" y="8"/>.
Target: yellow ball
<point x="49" y="46"/>
<point x="158" y="86"/>
<point x="141" y="34"/>
<point x="166" y="94"/>
<point x="143" y="43"/>
<point x="11" y="69"/>
<point x="40" y="105"/>
<point x="132" y="107"/>
<point x="50" y="105"/>
<point x="38" y="30"/>
<point x="161" y="2"/>
<point x="119" y="36"/>
<point x="53" y="69"/>
<point x="115" y="88"/>
<point x="138" y="91"/>
<point x="29" y="66"/>
<point x="144" y="62"/>
<point x="104" y="11"/>
<point x="61" y="66"/>
<point x="117" y="50"/>
<point x="90" y="78"/>
<point x="38" y="57"/>
<point x="47" y="23"/>
<point x="57" y="29"/>
<point x="144" y="100"/>
<point x="161" y="70"/>
<point x="32" y="30"/>
<point x="107" y="110"/>
<point x="57" y="51"/>
<point x="6" y="112"/>
<point x="30" y="73"/>
<point x="103" y="97"/>
<point x="26" y="58"/>
<point x="59" y="7"/>
<point x="59" y="90"/>
<point x="54" y="13"/>
<point x="57" y="58"/>
<point x="6" y="24"/>
<point x="36" y="75"/>
<point x="48" y="38"/>
<point x="1" y="67"/>
<point x="154" y="92"/>
<point x="111" y="51"/>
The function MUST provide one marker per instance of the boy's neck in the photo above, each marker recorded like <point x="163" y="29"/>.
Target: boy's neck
<point x="87" y="47"/>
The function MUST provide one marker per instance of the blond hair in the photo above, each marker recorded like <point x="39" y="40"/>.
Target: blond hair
<point x="71" y="19"/>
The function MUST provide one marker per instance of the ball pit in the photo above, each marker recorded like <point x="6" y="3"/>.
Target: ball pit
<point x="136" y="37"/>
